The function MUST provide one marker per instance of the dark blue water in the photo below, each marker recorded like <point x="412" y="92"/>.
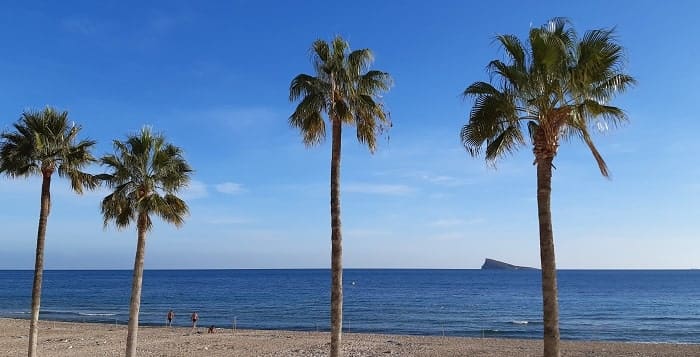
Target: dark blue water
<point x="645" y="306"/>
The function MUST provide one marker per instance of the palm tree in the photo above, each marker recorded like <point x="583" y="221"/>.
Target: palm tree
<point x="558" y="88"/>
<point x="44" y="142"/>
<point x="348" y="93"/>
<point x="146" y="174"/>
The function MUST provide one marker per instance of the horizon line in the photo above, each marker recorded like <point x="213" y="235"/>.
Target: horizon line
<point x="354" y="268"/>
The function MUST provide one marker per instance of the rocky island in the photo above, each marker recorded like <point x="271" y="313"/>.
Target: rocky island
<point x="491" y="264"/>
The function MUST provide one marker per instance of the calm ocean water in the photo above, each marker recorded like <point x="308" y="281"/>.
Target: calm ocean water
<point x="646" y="306"/>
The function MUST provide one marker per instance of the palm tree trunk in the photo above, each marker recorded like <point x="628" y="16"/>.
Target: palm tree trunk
<point x="336" y="244"/>
<point x="136" y="283"/>
<point x="39" y="263"/>
<point x="549" y="271"/>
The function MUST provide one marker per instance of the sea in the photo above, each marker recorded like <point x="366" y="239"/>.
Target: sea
<point x="616" y="305"/>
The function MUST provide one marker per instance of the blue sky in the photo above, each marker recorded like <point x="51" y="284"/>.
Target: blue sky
<point x="214" y="79"/>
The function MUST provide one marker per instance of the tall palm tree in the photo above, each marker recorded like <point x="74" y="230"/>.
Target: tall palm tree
<point x="558" y="88"/>
<point x="348" y="93"/>
<point x="43" y="143"/>
<point x="146" y="174"/>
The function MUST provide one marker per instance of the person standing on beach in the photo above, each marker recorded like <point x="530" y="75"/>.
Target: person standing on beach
<point x="171" y="316"/>
<point x="195" y="317"/>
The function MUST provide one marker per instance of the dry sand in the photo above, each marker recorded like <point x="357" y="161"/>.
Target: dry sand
<point x="86" y="339"/>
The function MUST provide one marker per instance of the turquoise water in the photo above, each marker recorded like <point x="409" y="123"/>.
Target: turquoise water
<point x="643" y="306"/>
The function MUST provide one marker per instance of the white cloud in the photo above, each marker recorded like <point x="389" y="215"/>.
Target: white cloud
<point x="442" y="180"/>
<point x="451" y="222"/>
<point x="378" y="189"/>
<point x="366" y="233"/>
<point x="447" y="237"/>
<point x="227" y="220"/>
<point x="624" y="148"/>
<point x="196" y="189"/>
<point x="475" y="220"/>
<point x="431" y="178"/>
<point x="230" y="188"/>
<point x="60" y="187"/>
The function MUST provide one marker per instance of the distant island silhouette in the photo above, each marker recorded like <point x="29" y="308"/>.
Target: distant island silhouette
<point x="492" y="264"/>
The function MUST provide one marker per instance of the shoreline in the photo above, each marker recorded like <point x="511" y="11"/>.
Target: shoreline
<point x="124" y="323"/>
<point x="58" y="338"/>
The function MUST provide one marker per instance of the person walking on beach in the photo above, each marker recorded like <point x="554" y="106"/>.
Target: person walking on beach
<point x="171" y="316"/>
<point x="195" y="317"/>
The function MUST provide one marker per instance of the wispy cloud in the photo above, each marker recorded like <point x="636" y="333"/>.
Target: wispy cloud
<point x="624" y="148"/>
<point x="449" y="222"/>
<point x="366" y="233"/>
<point x="196" y="189"/>
<point x="59" y="187"/>
<point x="428" y="177"/>
<point x="447" y="237"/>
<point x="229" y="188"/>
<point x="452" y="222"/>
<point x="227" y="220"/>
<point x="442" y="180"/>
<point x="378" y="189"/>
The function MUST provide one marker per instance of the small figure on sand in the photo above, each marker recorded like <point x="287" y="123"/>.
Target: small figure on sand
<point x="171" y="316"/>
<point x="211" y="329"/>
<point x="195" y="317"/>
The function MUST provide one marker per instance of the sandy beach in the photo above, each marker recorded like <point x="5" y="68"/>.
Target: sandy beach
<point x="87" y="339"/>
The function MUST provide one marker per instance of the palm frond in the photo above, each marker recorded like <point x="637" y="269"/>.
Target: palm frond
<point x="321" y="50"/>
<point x="145" y="172"/>
<point x="343" y="88"/>
<point x="374" y="82"/>
<point x="491" y="114"/>
<point x="339" y="51"/>
<point x="359" y="61"/>
<point x="79" y="180"/>
<point x="45" y="141"/>
<point x="510" y="76"/>
<point x="507" y="142"/>
<point x="480" y="88"/>
<point x="170" y="208"/>
<point x="560" y="84"/>
<point x="596" y="155"/>
<point x="303" y="85"/>
<point x="370" y="119"/>
<point x="343" y="111"/>
<point x="307" y="118"/>
<point x="607" y="114"/>
<point x="115" y="207"/>
<point x="514" y="49"/>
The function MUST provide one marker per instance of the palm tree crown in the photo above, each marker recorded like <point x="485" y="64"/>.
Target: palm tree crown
<point x="146" y="173"/>
<point x="560" y="87"/>
<point x="344" y="89"/>
<point x="44" y="142"/>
